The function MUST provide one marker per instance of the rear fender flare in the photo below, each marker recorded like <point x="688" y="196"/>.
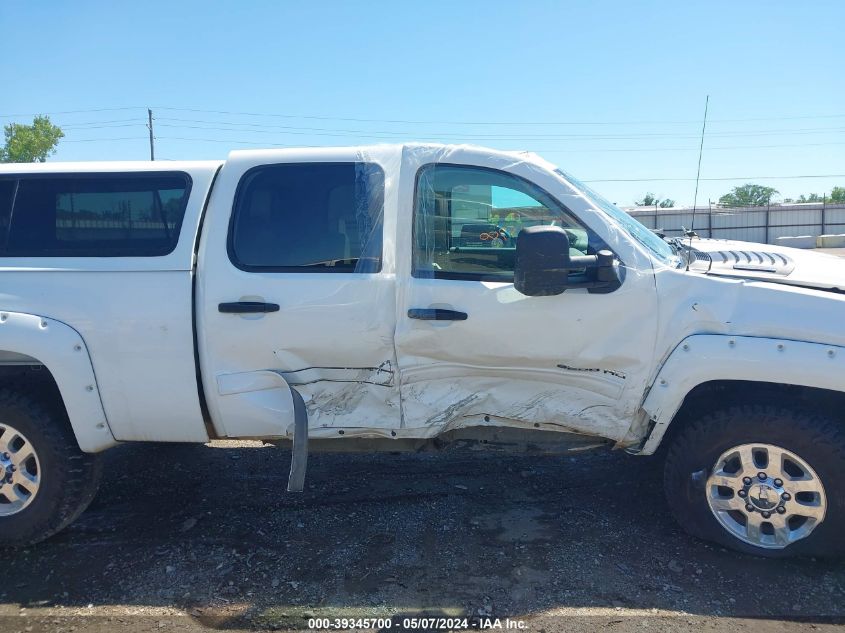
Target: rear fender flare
<point x="62" y="351"/>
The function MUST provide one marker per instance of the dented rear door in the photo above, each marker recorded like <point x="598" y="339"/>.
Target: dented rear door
<point x="296" y="287"/>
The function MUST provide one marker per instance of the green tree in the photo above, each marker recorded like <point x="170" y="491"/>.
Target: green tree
<point x="650" y="200"/>
<point x="813" y="197"/>
<point x="837" y="195"/>
<point x="749" y="195"/>
<point x="30" y="143"/>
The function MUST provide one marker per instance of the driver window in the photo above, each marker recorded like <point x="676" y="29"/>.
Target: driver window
<point x="466" y="221"/>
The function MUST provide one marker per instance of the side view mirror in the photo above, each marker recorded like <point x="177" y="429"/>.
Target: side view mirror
<point x="544" y="264"/>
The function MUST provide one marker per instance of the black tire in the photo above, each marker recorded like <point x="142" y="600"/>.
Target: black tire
<point x="69" y="477"/>
<point x="698" y="444"/>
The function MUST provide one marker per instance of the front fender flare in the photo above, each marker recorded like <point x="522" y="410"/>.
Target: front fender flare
<point x="61" y="349"/>
<point x="706" y="357"/>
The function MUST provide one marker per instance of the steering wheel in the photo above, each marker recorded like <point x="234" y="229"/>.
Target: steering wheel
<point x="499" y="235"/>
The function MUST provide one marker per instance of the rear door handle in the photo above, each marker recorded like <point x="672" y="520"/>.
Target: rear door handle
<point x="436" y="314"/>
<point x="248" y="307"/>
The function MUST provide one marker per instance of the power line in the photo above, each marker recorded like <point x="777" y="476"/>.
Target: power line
<point x="97" y="124"/>
<point x="379" y="134"/>
<point x="718" y="179"/>
<point x="101" y="127"/>
<point x="96" y="140"/>
<point x="601" y="180"/>
<point x="422" y="121"/>
<point x="546" y="150"/>
<point x="445" y="122"/>
<point x="259" y="128"/>
<point x="468" y="137"/>
<point x="690" y="149"/>
<point x="254" y="128"/>
<point x="219" y="140"/>
<point x="12" y="116"/>
<point x="410" y="121"/>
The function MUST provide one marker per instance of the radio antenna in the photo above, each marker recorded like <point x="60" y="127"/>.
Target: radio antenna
<point x="697" y="178"/>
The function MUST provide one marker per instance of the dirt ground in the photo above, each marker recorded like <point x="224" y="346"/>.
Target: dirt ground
<point x="189" y="538"/>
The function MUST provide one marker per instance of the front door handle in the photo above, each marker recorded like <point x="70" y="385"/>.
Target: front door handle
<point x="248" y="307"/>
<point x="436" y="314"/>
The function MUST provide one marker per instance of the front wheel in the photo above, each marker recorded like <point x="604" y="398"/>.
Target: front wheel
<point x="765" y="480"/>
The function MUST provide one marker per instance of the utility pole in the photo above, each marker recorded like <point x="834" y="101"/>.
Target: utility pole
<point x="152" y="138"/>
<point x="824" y="213"/>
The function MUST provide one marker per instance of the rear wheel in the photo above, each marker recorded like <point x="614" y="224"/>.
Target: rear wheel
<point x="763" y="479"/>
<point x="45" y="480"/>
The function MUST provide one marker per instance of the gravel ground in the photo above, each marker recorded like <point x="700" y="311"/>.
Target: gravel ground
<point x="195" y="537"/>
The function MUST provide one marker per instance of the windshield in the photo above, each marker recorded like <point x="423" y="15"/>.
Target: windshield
<point x="655" y="245"/>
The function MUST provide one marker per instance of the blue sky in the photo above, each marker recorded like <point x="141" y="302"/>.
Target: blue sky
<point x="607" y="90"/>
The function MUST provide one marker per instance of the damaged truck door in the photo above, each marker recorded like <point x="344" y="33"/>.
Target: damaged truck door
<point x="485" y="354"/>
<point x="302" y="299"/>
<point x="380" y="286"/>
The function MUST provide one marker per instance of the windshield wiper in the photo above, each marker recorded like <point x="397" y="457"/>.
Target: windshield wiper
<point x="688" y="255"/>
<point x="676" y="244"/>
<point x="681" y="248"/>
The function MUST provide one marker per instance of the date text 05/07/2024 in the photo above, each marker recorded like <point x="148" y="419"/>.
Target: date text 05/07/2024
<point x="420" y="623"/>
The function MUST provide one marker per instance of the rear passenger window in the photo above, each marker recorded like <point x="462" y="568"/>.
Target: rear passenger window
<point x="97" y="215"/>
<point x="309" y="217"/>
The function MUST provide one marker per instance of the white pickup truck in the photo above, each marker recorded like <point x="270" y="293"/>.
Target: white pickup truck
<point x="407" y="297"/>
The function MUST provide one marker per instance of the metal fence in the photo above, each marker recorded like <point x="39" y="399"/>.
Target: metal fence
<point x="749" y="224"/>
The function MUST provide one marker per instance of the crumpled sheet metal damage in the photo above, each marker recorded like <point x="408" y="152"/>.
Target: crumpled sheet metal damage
<point x="577" y="361"/>
<point x="440" y="378"/>
<point x="532" y="360"/>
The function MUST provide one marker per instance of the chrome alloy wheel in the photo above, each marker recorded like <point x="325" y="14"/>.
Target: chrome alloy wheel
<point x="20" y="472"/>
<point x="765" y="495"/>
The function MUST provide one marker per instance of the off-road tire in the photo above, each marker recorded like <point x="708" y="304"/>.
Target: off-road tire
<point x="697" y="445"/>
<point x="69" y="477"/>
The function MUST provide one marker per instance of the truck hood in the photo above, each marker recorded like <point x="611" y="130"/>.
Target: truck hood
<point x="764" y="262"/>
